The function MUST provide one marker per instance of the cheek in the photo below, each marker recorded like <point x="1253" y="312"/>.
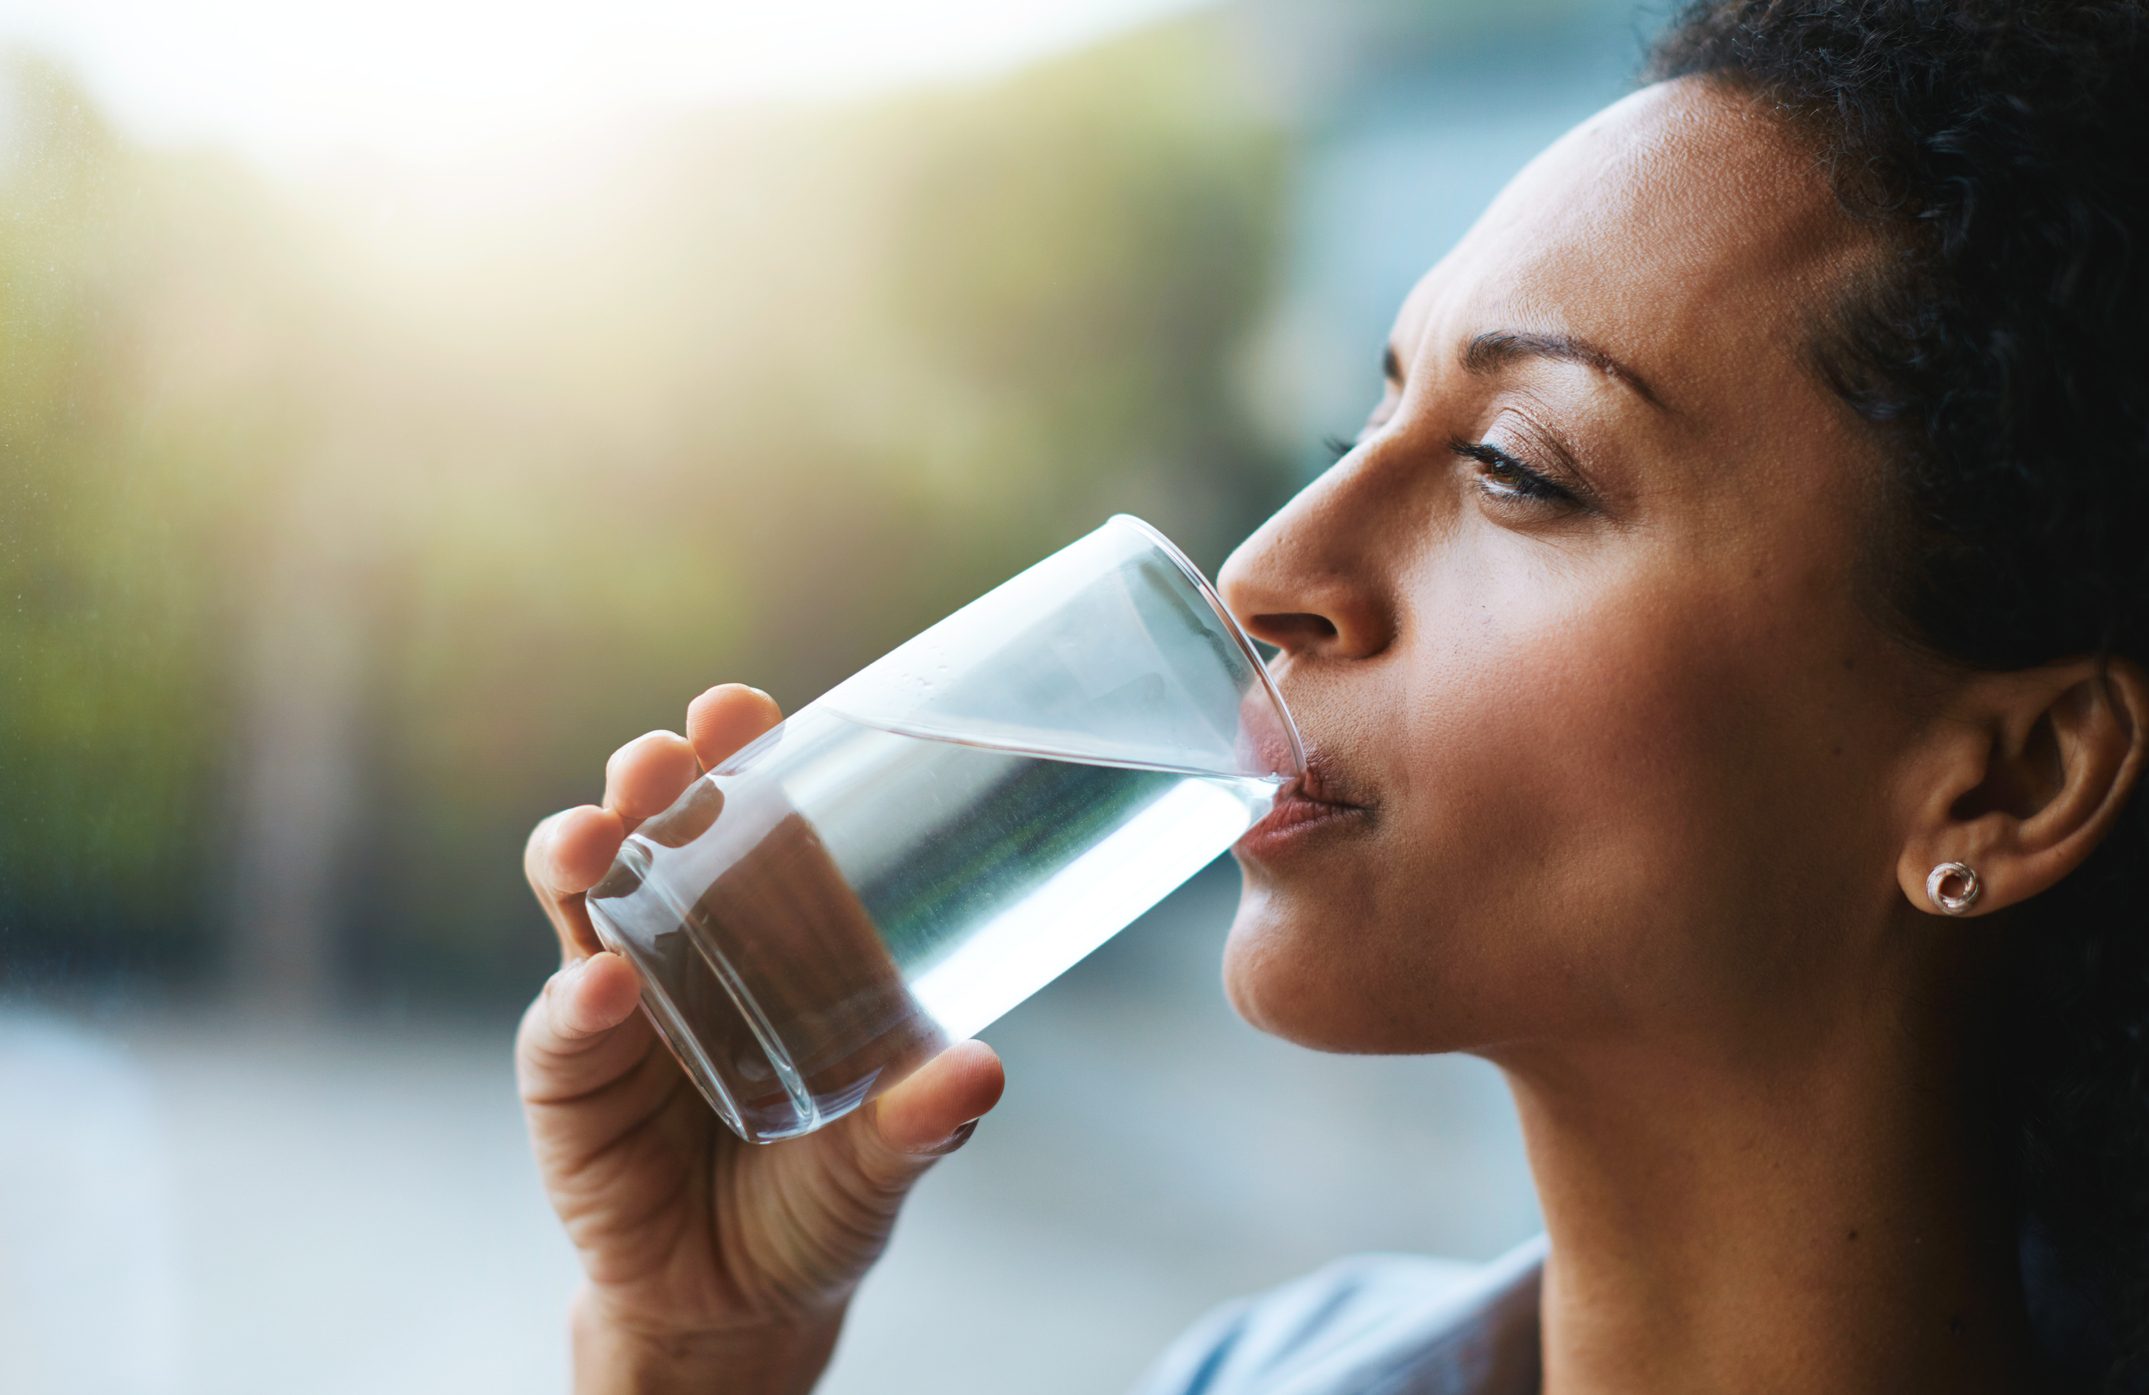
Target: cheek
<point x="1581" y="783"/>
<point x="1512" y="743"/>
<point x="1638" y="767"/>
<point x="1562" y="790"/>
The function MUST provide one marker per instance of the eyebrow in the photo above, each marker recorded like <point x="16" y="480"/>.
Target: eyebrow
<point x="1494" y="349"/>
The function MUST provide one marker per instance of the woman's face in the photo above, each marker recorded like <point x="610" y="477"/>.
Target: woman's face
<point x="1578" y="622"/>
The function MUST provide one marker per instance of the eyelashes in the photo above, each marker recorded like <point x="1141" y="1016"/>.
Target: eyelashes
<point x="1517" y="480"/>
<point x="1502" y="476"/>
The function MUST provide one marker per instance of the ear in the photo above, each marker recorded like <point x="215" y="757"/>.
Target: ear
<point x="2024" y="776"/>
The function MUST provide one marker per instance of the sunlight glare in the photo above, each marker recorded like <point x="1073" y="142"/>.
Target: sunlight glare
<point x="430" y="81"/>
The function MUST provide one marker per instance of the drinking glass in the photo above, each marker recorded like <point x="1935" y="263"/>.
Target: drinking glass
<point x="933" y="840"/>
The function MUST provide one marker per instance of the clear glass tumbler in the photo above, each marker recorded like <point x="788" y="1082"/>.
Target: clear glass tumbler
<point x="939" y="836"/>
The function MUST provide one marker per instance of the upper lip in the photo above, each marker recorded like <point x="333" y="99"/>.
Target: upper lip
<point x="1318" y="780"/>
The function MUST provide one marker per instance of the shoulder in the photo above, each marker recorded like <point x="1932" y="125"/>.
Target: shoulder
<point x="1371" y="1324"/>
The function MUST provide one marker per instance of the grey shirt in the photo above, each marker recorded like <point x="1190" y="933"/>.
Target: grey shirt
<point x="1370" y="1325"/>
<point x="1390" y="1324"/>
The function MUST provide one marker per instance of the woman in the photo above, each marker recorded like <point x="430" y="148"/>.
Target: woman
<point x="1723" y="650"/>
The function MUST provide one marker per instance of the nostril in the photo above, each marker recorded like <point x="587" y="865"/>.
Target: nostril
<point x="1293" y="629"/>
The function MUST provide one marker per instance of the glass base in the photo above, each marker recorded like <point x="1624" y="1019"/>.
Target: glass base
<point x="750" y="1081"/>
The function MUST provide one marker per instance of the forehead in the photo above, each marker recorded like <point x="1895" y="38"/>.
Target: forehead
<point x="1685" y="228"/>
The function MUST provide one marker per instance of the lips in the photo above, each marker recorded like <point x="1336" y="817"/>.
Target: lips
<point x="1313" y="802"/>
<point x="1264" y="746"/>
<point x="1319" y="784"/>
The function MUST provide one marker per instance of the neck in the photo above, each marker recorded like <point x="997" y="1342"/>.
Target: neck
<point x="1818" y="1218"/>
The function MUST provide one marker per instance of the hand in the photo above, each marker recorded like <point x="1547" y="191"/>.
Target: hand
<point x="701" y="1250"/>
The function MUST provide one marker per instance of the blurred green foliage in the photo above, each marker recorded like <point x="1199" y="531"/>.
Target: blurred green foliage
<point x="347" y="525"/>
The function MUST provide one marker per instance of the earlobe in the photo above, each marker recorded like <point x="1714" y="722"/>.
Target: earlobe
<point x="2037" y="767"/>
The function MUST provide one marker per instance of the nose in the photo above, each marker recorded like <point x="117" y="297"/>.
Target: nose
<point x="1307" y="580"/>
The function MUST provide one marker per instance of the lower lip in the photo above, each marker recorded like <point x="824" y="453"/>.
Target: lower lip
<point x="1292" y="822"/>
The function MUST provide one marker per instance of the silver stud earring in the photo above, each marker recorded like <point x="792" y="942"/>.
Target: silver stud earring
<point x="1963" y="879"/>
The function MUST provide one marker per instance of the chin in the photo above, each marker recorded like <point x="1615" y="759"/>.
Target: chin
<point x="1286" y="979"/>
<point x="1321" y="981"/>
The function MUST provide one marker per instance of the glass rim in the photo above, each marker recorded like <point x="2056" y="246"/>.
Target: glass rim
<point x="1231" y="626"/>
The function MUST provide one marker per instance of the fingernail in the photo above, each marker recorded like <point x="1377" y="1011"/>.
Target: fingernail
<point x="949" y="1144"/>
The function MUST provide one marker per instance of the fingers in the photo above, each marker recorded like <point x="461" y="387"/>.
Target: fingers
<point x="565" y="856"/>
<point x="568" y="852"/>
<point x="574" y="848"/>
<point x="927" y="1114"/>
<point x="725" y="718"/>
<point x="644" y="776"/>
<point x="582" y="1032"/>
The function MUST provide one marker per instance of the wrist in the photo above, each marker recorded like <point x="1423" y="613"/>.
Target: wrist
<point x="613" y="1356"/>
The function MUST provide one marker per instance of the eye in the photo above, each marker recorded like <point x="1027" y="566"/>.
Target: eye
<point x="1505" y="477"/>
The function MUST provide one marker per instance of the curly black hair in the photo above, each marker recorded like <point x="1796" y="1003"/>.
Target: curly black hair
<point x="1996" y="148"/>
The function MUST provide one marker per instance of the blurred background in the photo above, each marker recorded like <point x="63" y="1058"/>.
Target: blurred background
<point x="403" y="405"/>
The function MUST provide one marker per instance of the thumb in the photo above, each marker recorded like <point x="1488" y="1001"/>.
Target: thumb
<point x="934" y="1112"/>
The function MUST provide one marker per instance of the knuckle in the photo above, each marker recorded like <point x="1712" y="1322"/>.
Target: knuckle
<point x="529" y="1037"/>
<point x="539" y="1037"/>
<point x="881" y="1173"/>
